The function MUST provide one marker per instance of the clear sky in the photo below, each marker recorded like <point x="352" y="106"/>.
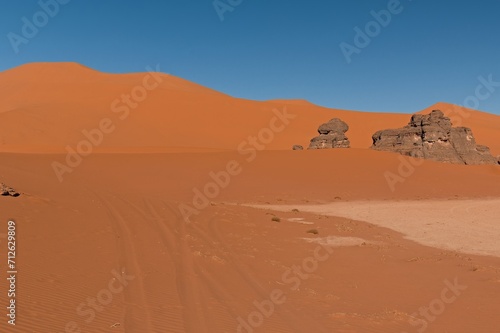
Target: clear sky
<point x="430" y="50"/>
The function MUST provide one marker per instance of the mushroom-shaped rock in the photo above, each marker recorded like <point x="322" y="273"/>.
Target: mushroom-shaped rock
<point x="331" y="135"/>
<point x="335" y="125"/>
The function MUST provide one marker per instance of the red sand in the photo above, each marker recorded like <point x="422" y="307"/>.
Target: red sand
<point x="119" y="210"/>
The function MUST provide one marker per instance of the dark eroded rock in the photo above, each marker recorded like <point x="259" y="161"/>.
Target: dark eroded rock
<point x="8" y="191"/>
<point x="331" y="135"/>
<point x="433" y="137"/>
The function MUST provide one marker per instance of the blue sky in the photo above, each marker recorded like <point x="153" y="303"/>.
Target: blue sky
<point x="430" y="51"/>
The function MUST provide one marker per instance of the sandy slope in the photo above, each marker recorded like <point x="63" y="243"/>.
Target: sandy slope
<point x="113" y="229"/>
<point x="46" y="106"/>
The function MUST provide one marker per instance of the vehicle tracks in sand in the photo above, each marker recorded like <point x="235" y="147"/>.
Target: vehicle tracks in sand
<point x="211" y="237"/>
<point x="135" y="317"/>
<point x="173" y="236"/>
<point x="197" y="286"/>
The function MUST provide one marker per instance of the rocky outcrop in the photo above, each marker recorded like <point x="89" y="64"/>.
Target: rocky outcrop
<point x="433" y="137"/>
<point x="331" y="135"/>
<point x="297" y="147"/>
<point x="8" y="191"/>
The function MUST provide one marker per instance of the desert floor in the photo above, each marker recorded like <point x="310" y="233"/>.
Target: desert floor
<point x="379" y="257"/>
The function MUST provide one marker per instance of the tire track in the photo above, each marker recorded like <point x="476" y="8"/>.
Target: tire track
<point x="174" y="238"/>
<point x="214" y="238"/>
<point x="138" y="316"/>
<point x="173" y="231"/>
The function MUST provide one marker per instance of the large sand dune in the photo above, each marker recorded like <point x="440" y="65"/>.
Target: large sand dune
<point x="114" y="226"/>
<point x="46" y="106"/>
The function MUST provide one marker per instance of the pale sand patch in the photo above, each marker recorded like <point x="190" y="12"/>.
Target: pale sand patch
<point x="336" y="241"/>
<point x="300" y="220"/>
<point x="468" y="226"/>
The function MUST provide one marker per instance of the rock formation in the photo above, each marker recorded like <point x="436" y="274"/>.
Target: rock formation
<point x="331" y="135"/>
<point x="8" y="191"/>
<point x="297" y="147"/>
<point x="433" y="137"/>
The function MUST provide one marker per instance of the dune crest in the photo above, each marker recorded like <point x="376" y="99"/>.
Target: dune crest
<point x="46" y="106"/>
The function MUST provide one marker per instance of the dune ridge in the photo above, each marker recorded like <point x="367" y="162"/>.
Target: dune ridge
<point x="49" y="104"/>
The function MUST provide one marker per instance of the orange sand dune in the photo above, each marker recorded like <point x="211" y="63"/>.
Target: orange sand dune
<point x="46" y="106"/>
<point x="152" y="232"/>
